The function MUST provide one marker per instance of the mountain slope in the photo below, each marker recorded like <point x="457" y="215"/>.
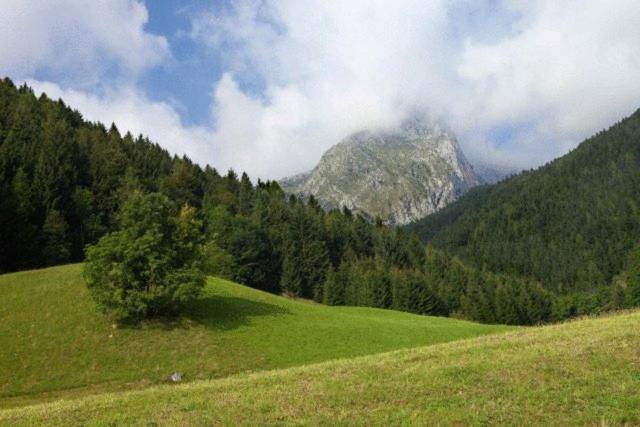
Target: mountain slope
<point x="399" y="175"/>
<point x="53" y="338"/>
<point x="569" y="224"/>
<point x="586" y="372"/>
<point x="491" y="174"/>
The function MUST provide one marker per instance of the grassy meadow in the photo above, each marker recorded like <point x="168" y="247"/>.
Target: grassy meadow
<point x="585" y="372"/>
<point x="55" y="343"/>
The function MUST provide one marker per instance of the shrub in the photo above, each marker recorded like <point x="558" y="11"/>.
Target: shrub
<point x="150" y="267"/>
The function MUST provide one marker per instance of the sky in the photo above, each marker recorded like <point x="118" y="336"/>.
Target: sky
<point x="267" y="86"/>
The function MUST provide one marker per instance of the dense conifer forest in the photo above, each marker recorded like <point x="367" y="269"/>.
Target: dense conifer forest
<point x="569" y="225"/>
<point x="64" y="181"/>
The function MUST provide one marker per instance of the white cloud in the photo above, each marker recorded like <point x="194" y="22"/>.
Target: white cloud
<point x="552" y="71"/>
<point x="78" y="42"/>
<point x="571" y="69"/>
<point x="238" y="118"/>
<point x="549" y="72"/>
<point x="132" y="111"/>
<point x="329" y="68"/>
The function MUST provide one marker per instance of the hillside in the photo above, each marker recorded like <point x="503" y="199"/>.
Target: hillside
<point x="64" y="181"/>
<point x="399" y="175"/>
<point x="569" y="224"/>
<point x="54" y="341"/>
<point x="585" y="372"/>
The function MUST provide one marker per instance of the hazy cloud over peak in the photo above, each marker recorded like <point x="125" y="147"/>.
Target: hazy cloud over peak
<point x="520" y="82"/>
<point x="550" y="73"/>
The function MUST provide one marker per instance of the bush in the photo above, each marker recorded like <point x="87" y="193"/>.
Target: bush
<point x="150" y="267"/>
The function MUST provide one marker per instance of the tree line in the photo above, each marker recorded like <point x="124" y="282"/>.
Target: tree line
<point x="161" y="222"/>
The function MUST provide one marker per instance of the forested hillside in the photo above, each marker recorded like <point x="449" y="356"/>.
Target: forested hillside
<point x="63" y="181"/>
<point x="570" y="224"/>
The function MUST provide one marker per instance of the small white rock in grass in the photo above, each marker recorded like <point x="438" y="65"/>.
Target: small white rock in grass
<point x="176" y="377"/>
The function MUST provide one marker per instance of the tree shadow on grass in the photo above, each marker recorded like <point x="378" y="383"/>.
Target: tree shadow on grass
<point x="221" y="312"/>
<point x="214" y="311"/>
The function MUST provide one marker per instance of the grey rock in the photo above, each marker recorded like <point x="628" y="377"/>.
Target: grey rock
<point x="398" y="175"/>
<point x="491" y="174"/>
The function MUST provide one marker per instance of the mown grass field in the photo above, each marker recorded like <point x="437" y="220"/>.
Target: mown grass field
<point x="54" y="343"/>
<point x="585" y="372"/>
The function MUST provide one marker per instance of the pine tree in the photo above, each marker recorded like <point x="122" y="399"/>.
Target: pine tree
<point x="245" y="195"/>
<point x="305" y="256"/>
<point x="86" y="219"/>
<point x="334" y="286"/>
<point x="56" y="247"/>
<point x="381" y="285"/>
<point x="184" y="184"/>
<point x="55" y="171"/>
<point x="633" y="279"/>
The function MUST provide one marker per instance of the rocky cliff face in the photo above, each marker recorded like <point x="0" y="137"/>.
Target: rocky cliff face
<point x="400" y="175"/>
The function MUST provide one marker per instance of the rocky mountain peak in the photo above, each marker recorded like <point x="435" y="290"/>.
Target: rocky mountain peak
<point x="399" y="175"/>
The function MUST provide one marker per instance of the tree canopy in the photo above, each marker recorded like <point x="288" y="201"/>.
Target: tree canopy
<point x="569" y="225"/>
<point x="150" y="267"/>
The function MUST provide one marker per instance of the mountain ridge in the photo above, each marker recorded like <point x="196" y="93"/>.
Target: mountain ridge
<point x="570" y="223"/>
<point x="398" y="175"/>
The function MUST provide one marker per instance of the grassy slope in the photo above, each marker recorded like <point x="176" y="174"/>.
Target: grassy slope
<point x="586" y="372"/>
<point x="52" y="338"/>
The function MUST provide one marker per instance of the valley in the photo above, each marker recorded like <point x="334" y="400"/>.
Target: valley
<point x="319" y="213"/>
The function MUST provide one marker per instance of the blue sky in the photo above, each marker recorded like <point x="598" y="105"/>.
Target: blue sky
<point x="267" y="86"/>
<point x="189" y="78"/>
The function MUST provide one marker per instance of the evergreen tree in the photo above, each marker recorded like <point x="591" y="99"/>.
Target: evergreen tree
<point x="245" y="195"/>
<point x="86" y="219"/>
<point x="249" y="247"/>
<point x="633" y="279"/>
<point x="55" y="172"/>
<point x="333" y="290"/>
<point x="305" y="257"/>
<point x="55" y="229"/>
<point x="184" y="184"/>
<point x="381" y="285"/>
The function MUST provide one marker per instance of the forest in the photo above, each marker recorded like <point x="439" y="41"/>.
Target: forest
<point x="570" y="224"/>
<point x="65" y="184"/>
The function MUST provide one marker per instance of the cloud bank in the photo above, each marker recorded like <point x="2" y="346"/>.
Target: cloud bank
<point x="77" y="42"/>
<point x="520" y="82"/>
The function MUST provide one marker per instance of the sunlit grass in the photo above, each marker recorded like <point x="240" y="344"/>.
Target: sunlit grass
<point x="585" y="372"/>
<point x="54" y="343"/>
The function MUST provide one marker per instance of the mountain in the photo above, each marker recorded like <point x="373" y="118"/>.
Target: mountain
<point x="490" y="174"/>
<point x="569" y="224"/>
<point x="399" y="175"/>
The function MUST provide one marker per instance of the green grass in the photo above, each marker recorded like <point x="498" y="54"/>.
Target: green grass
<point x="585" y="372"/>
<point x="54" y="343"/>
